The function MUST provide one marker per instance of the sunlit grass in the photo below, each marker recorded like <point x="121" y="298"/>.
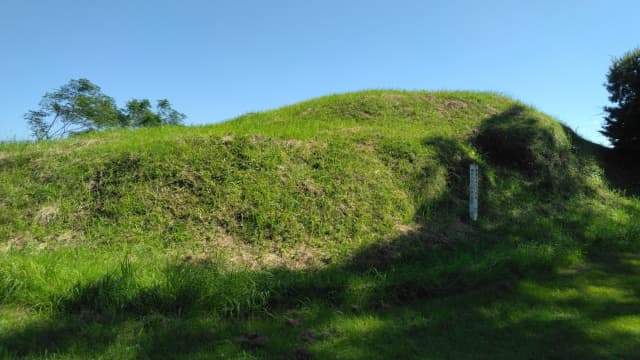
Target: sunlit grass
<point x="344" y="216"/>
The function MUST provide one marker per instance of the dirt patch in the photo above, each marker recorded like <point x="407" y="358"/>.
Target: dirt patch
<point x="87" y="142"/>
<point x="448" y="106"/>
<point x="23" y="240"/>
<point x="309" y="187"/>
<point x="451" y="105"/>
<point x="366" y="146"/>
<point x="68" y="238"/>
<point x="237" y="254"/>
<point x="294" y="143"/>
<point x="455" y="104"/>
<point x="47" y="214"/>
<point x="258" y="139"/>
<point x="5" y="155"/>
<point x="406" y="229"/>
<point x="19" y="241"/>
<point x="395" y="98"/>
<point x="302" y="257"/>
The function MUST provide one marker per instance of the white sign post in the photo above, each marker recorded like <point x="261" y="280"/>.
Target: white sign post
<point x="473" y="191"/>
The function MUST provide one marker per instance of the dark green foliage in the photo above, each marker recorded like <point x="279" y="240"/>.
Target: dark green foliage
<point x="167" y="115"/>
<point x="537" y="147"/>
<point x="78" y="106"/>
<point x="138" y="113"/>
<point x="622" y="123"/>
<point x="81" y="107"/>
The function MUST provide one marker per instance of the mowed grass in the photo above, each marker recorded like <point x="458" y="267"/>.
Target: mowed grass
<point x="585" y="311"/>
<point x="333" y="228"/>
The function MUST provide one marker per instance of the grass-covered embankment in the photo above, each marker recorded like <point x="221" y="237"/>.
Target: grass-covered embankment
<point x="343" y="218"/>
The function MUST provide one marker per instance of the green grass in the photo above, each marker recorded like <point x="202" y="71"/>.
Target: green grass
<point x="583" y="311"/>
<point x="346" y="214"/>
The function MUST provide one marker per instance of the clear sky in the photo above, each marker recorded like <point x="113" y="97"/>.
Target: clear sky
<point x="215" y="60"/>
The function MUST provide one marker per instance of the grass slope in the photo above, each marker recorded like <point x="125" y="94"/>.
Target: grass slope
<point x="333" y="228"/>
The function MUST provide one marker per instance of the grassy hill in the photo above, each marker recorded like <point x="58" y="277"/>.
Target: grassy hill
<point x="332" y="228"/>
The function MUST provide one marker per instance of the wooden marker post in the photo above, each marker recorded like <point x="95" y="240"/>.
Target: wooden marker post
<point x="473" y="192"/>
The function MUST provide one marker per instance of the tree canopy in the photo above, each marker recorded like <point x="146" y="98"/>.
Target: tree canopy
<point x="622" y="123"/>
<point x="80" y="106"/>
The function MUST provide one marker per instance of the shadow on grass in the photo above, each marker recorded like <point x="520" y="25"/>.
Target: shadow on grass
<point x="587" y="312"/>
<point x="446" y="289"/>
<point x="621" y="172"/>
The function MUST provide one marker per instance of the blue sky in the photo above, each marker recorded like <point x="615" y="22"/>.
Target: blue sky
<point x="215" y="60"/>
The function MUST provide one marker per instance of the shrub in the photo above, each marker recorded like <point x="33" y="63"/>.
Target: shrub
<point x="622" y="123"/>
<point x="537" y="147"/>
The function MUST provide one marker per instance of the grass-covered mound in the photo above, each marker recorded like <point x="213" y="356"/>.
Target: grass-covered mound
<point x="354" y="201"/>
